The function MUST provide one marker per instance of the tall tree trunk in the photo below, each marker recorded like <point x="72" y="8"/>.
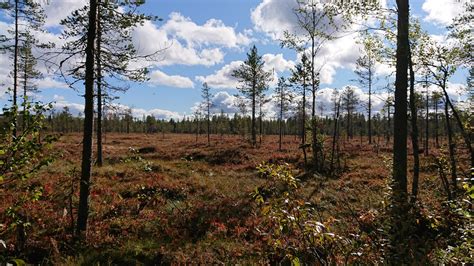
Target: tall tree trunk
<point x="451" y="146"/>
<point x="427" y="136"/>
<point x="208" y="124"/>
<point x="335" y="137"/>
<point x="260" y="123"/>
<point x="464" y="134"/>
<point x="370" y="106"/>
<point x="414" y="131"/>
<point x="303" y="123"/>
<point x="254" y="126"/>
<point x="25" y="88"/>
<point x="399" y="232"/>
<point x="99" y="87"/>
<point x="280" y="120"/>
<point x="15" y="67"/>
<point x="389" y="124"/>
<point x="314" y="130"/>
<point x="83" y="210"/>
<point x="436" y="125"/>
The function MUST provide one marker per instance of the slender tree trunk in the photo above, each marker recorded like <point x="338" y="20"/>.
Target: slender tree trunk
<point x="464" y="134"/>
<point x="260" y="123"/>
<point x="83" y="210"/>
<point x="281" y="119"/>
<point x="335" y="136"/>
<point x="370" y="108"/>
<point x="451" y="146"/>
<point x="436" y="125"/>
<point x="208" y="124"/>
<point x="303" y="130"/>
<point x="254" y="129"/>
<point x="198" y="129"/>
<point x="414" y="131"/>
<point x="25" y="88"/>
<point x="15" y="67"/>
<point x="389" y="126"/>
<point x="99" y="87"/>
<point x="427" y="136"/>
<point x="314" y="129"/>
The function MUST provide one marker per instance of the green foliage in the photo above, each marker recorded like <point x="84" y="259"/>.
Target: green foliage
<point x="291" y="226"/>
<point x="460" y="248"/>
<point x="134" y="156"/>
<point x="22" y="156"/>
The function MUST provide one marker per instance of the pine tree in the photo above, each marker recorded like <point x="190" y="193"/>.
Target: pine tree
<point x="27" y="67"/>
<point x="365" y="70"/>
<point x="207" y="104"/>
<point x="301" y="78"/>
<point x="114" y="50"/>
<point x="253" y="81"/>
<point x="350" y="101"/>
<point x="86" y="167"/>
<point x="283" y="99"/>
<point x="27" y="16"/>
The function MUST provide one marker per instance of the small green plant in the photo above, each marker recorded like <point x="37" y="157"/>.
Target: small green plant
<point x="134" y="156"/>
<point x="22" y="155"/>
<point x="291" y="225"/>
<point x="461" y="250"/>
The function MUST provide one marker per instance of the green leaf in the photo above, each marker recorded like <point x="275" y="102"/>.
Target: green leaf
<point x="18" y="262"/>
<point x="295" y="261"/>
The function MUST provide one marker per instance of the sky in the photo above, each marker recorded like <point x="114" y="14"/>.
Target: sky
<point x="205" y="40"/>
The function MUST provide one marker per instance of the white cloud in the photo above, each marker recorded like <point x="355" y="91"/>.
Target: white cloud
<point x="273" y="17"/>
<point x="184" y="42"/>
<point x="212" y="32"/>
<point x="56" y="10"/>
<point x="76" y="108"/>
<point x="157" y="113"/>
<point x="442" y="12"/>
<point x="159" y="78"/>
<point x="50" y="83"/>
<point x="222" y="78"/>
<point x="149" y="38"/>
<point x="277" y="63"/>
<point x="60" y="103"/>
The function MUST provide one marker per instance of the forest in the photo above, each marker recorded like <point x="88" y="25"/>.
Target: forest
<point x="356" y="151"/>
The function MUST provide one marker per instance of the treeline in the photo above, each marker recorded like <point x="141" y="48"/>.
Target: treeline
<point x="350" y="126"/>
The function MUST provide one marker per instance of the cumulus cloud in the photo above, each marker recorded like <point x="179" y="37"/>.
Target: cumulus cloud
<point x="116" y="108"/>
<point x="157" y="113"/>
<point x="184" y="42"/>
<point x="149" y="39"/>
<point x="212" y="32"/>
<point x="159" y="78"/>
<point x="274" y="17"/>
<point x="56" y="10"/>
<point x="277" y="63"/>
<point x="50" y="83"/>
<point x="222" y="78"/>
<point x="442" y="12"/>
<point x="228" y="103"/>
<point x="59" y="103"/>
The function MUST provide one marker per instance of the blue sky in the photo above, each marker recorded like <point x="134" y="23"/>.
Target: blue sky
<point x="209" y="38"/>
